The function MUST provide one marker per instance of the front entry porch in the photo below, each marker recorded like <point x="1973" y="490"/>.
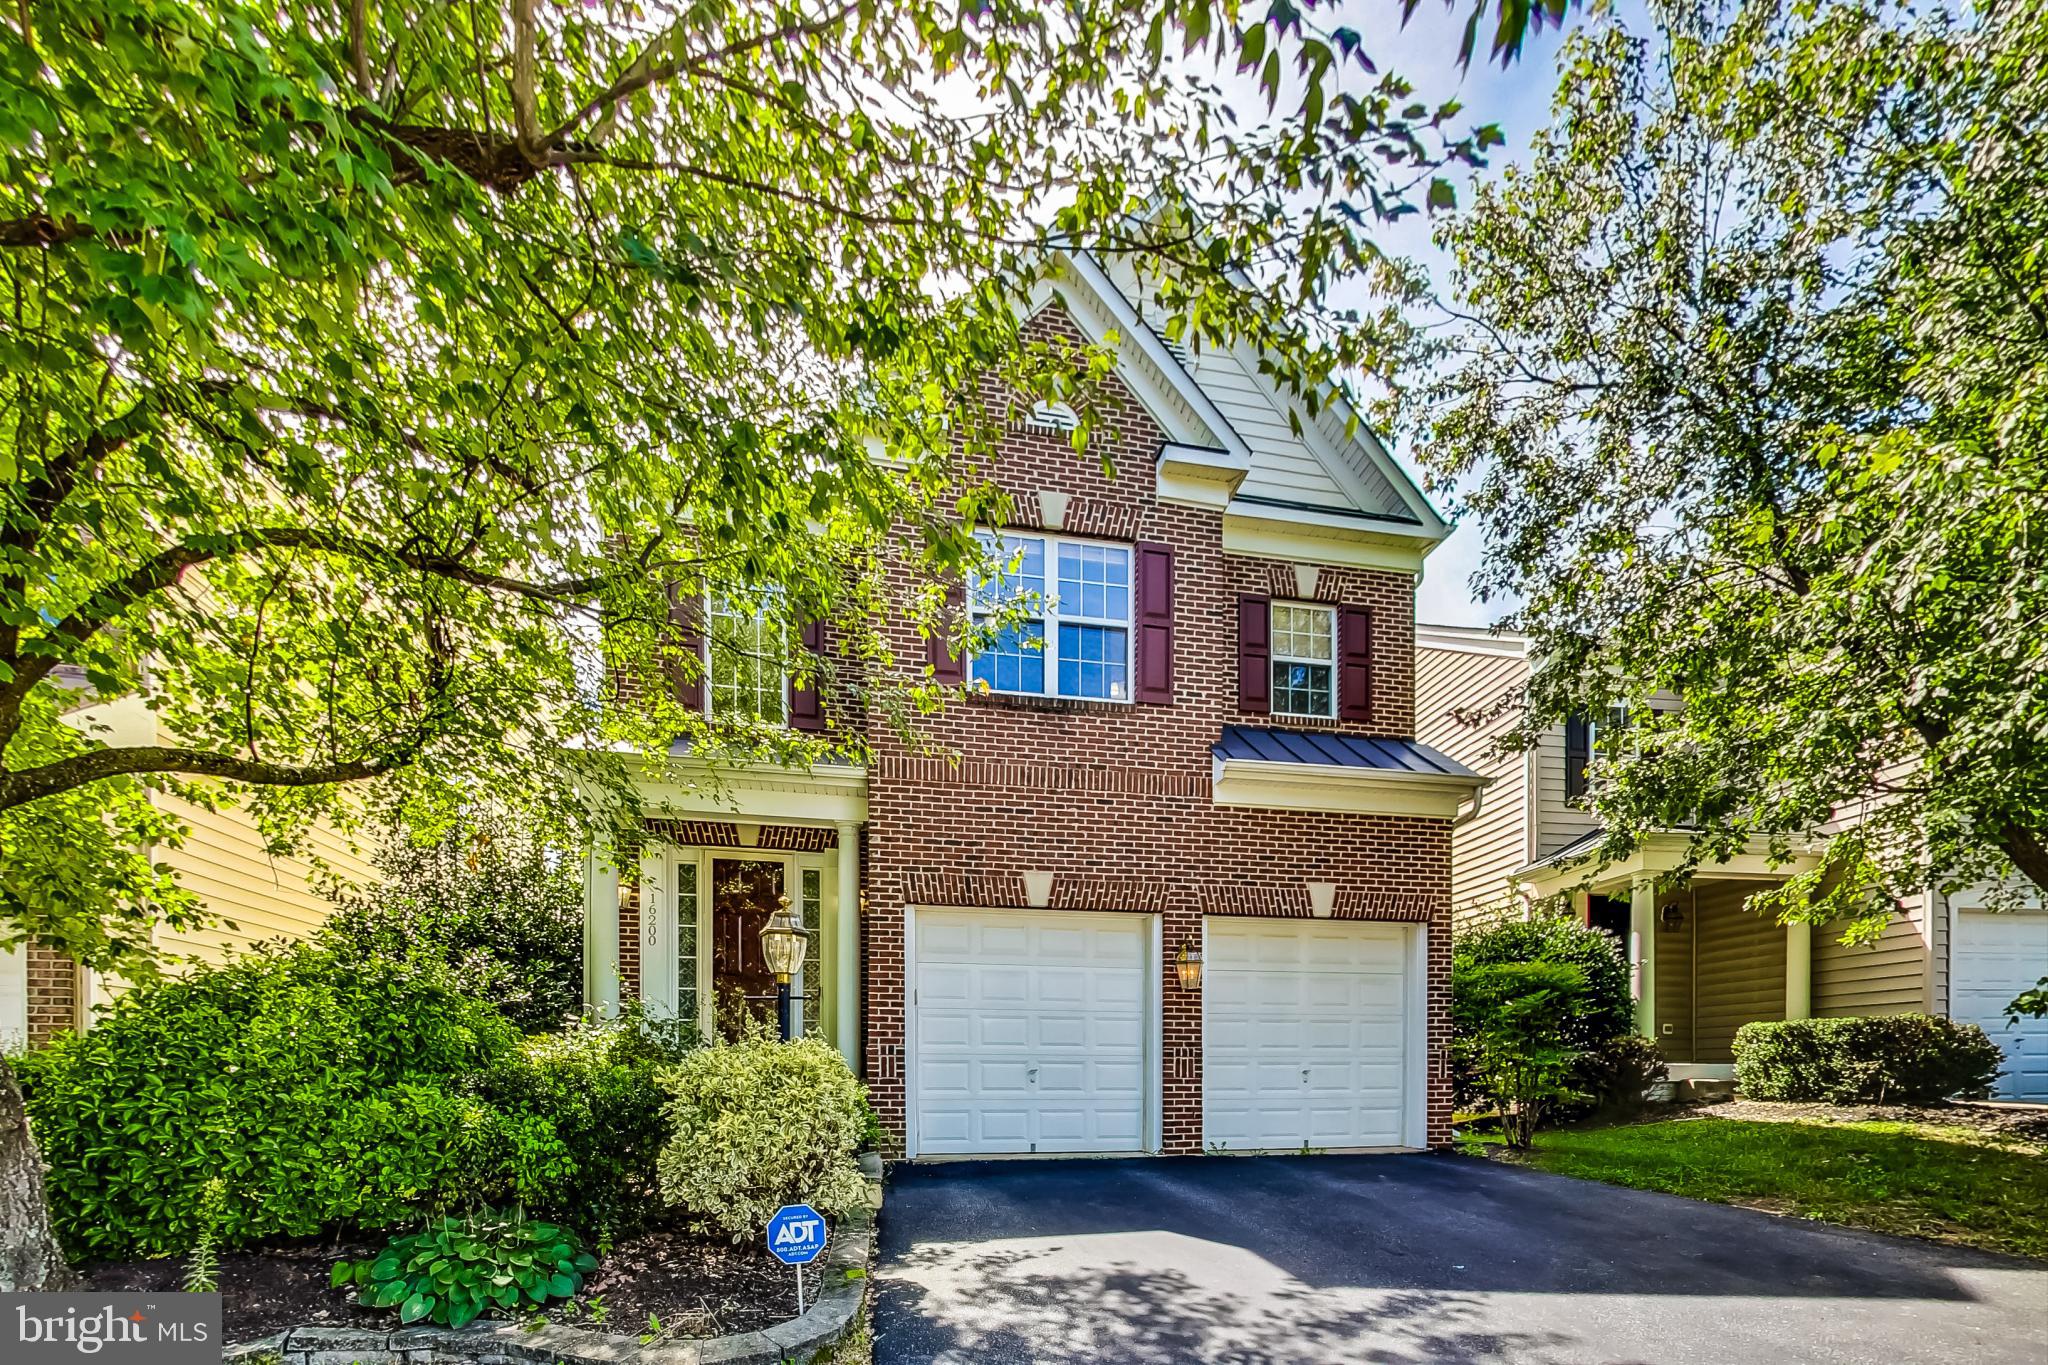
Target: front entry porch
<point x="679" y="932"/>
<point x="1703" y="965"/>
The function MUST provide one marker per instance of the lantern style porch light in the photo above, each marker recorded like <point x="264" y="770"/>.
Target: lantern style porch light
<point x="783" y="941"/>
<point x="1187" y="965"/>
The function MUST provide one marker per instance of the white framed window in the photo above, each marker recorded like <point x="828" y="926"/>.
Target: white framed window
<point x="1304" y="658"/>
<point x="745" y="662"/>
<point x="1069" y="634"/>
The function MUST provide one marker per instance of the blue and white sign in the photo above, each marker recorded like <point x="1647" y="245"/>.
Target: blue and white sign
<point x="796" y="1234"/>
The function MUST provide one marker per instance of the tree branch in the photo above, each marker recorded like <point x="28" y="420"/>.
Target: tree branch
<point x="51" y="779"/>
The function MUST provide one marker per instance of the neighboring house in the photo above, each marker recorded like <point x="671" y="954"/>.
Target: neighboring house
<point x="1705" y="966"/>
<point x="1202" y="748"/>
<point x="254" y="896"/>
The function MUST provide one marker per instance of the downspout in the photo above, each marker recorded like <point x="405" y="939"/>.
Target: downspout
<point x="1467" y="817"/>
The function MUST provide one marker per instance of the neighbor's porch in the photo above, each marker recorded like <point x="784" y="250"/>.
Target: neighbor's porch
<point x="674" y="924"/>
<point x="1703" y="966"/>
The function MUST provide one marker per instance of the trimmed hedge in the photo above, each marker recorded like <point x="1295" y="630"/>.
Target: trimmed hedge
<point x="759" y="1124"/>
<point x="1881" y="1059"/>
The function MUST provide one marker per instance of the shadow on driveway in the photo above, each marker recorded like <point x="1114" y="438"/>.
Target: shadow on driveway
<point x="1406" y="1258"/>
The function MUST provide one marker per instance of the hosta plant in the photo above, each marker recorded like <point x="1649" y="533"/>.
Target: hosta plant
<point x="457" y="1269"/>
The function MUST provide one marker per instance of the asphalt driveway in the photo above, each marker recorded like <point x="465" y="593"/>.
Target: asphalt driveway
<point x="1406" y="1258"/>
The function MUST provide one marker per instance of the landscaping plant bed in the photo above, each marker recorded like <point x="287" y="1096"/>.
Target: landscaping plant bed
<point x="664" y="1282"/>
<point x="668" y="1283"/>
<point x="263" y="1289"/>
<point x="2021" y="1123"/>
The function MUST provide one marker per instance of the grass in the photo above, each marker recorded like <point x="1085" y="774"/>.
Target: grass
<point x="1915" y="1180"/>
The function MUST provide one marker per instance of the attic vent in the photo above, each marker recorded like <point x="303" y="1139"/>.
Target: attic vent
<point x="1178" y="348"/>
<point x="1053" y="417"/>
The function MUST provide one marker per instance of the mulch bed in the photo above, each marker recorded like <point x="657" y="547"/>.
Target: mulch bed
<point x="663" y="1282"/>
<point x="264" y="1289"/>
<point x="2007" y="1123"/>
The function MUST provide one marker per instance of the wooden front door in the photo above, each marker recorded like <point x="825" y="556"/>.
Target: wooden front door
<point x="744" y="892"/>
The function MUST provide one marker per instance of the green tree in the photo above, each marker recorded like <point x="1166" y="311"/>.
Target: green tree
<point x="360" y="356"/>
<point x="1512" y="1023"/>
<point x="1745" y="376"/>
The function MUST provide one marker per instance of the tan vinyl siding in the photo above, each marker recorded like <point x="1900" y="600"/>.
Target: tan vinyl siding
<point x="1739" y="976"/>
<point x="1885" y="977"/>
<point x="1674" y="1003"/>
<point x="256" y="896"/>
<point x="1486" y="852"/>
<point x="1558" y="822"/>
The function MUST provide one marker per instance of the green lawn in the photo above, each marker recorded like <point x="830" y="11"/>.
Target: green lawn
<point x="1920" y="1181"/>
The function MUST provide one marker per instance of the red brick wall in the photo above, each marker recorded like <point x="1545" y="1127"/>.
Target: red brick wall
<point x="52" y="994"/>
<point x="1114" y="798"/>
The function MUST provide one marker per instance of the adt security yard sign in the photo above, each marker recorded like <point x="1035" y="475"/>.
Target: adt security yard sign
<point x="796" y="1234"/>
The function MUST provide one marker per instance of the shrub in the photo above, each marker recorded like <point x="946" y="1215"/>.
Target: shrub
<point x="1615" y="1075"/>
<point x="501" y="912"/>
<point x="323" y="1093"/>
<point x="1606" y="1011"/>
<point x="459" y="1268"/>
<point x="598" y="1086"/>
<point x="1883" y="1059"/>
<point x="758" y="1125"/>
<point x="1511" y="1020"/>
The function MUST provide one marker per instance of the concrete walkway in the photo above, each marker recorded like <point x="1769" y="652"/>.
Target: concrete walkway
<point x="1407" y="1258"/>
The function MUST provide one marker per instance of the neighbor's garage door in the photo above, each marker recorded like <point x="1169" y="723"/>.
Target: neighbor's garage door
<point x="1305" y="1034"/>
<point x="1030" y="1031"/>
<point x="1996" y="957"/>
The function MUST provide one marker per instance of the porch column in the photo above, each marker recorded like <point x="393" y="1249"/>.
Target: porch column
<point x="1642" y="953"/>
<point x="1798" y="971"/>
<point x="847" y="946"/>
<point x="601" y="933"/>
<point x="1582" y="906"/>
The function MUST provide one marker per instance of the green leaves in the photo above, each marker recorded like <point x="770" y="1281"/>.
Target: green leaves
<point x="456" y="1269"/>
<point x="1720" y="387"/>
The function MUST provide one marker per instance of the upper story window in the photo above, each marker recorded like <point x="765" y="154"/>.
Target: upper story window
<point x="746" y="663"/>
<point x="1069" y="633"/>
<point x="1304" y="660"/>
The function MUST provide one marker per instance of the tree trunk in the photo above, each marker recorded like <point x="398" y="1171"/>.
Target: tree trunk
<point x="2029" y="853"/>
<point x="30" y="1259"/>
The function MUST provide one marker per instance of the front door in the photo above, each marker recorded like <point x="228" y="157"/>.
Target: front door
<point x="744" y="892"/>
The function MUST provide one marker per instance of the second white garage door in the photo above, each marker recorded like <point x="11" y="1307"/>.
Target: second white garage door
<point x="1996" y="957"/>
<point x="1030" y="1032"/>
<point x="1308" y="1029"/>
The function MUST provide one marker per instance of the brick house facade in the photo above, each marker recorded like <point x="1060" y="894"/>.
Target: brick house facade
<point x="1016" y="809"/>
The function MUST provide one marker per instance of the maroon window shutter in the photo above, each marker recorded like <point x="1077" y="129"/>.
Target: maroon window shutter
<point x="1354" y="664"/>
<point x="806" y="709"/>
<point x="948" y="667"/>
<point x="686" y="619"/>
<point x="1255" y="654"/>
<point x="1153" y="621"/>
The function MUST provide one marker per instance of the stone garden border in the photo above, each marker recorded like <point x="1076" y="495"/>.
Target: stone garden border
<point x="843" y="1281"/>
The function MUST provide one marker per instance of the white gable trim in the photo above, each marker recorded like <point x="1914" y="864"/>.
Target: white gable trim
<point x="1323" y="444"/>
<point x="1148" y="344"/>
<point x="1320" y="442"/>
<point x="1147" y="380"/>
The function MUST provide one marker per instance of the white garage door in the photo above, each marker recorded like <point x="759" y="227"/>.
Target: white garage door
<point x="1996" y="957"/>
<point x="1306" y="1031"/>
<point x="1030" y="1032"/>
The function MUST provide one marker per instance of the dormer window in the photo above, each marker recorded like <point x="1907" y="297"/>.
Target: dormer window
<point x="1069" y="609"/>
